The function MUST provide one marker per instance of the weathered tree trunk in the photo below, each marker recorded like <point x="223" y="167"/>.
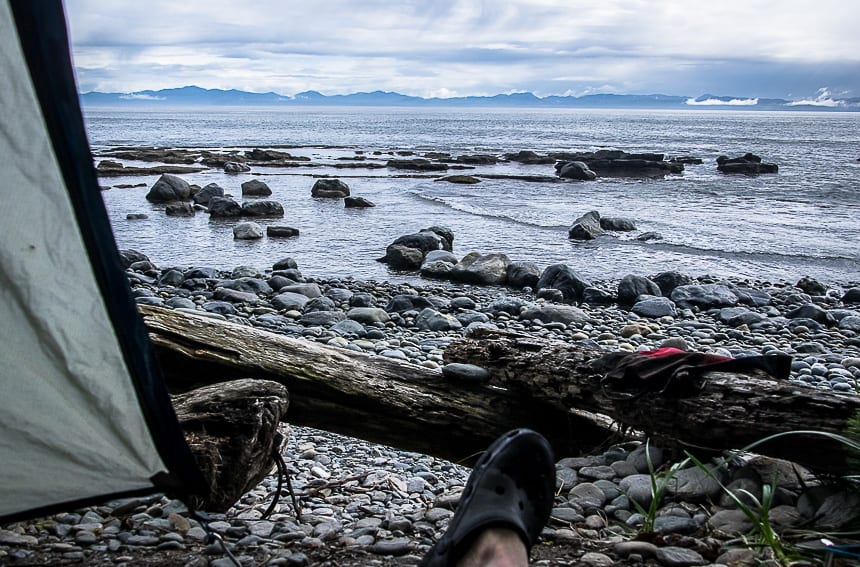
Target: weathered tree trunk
<point x="545" y="385"/>
<point x="727" y="411"/>
<point x="370" y="397"/>
<point x="232" y="429"/>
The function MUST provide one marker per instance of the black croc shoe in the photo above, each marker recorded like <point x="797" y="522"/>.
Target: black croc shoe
<point x="511" y="486"/>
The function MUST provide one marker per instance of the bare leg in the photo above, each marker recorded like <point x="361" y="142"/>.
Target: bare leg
<point x="496" y="547"/>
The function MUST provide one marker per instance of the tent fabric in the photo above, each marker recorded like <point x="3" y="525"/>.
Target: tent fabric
<point x="85" y="415"/>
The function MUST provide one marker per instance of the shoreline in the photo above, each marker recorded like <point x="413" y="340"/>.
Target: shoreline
<point x="772" y="317"/>
<point x="409" y="190"/>
<point x="369" y="504"/>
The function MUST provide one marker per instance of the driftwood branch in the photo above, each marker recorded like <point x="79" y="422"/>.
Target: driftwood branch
<point x="728" y="410"/>
<point x="370" y="397"/>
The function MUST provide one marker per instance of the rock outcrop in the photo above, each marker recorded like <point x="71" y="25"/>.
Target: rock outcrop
<point x="747" y="164"/>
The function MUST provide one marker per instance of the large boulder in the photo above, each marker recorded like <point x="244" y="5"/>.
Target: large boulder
<point x="169" y="188"/>
<point x="281" y="231"/>
<point x="330" y="189"/>
<point x="586" y="227"/>
<point x="564" y="279"/>
<point x="129" y="256"/>
<point x="631" y="287"/>
<point x="438" y="264"/>
<point x="523" y="274"/>
<point x="811" y="286"/>
<point x="285" y="264"/>
<point x="753" y="297"/>
<point x="407" y="252"/>
<point x="669" y="280"/>
<point x="634" y="167"/>
<point x="255" y="188"/>
<point x="748" y="164"/>
<point x="852" y="295"/>
<point x="247" y="231"/>
<point x="180" y="209"/>
<point x="357" y="203"/>
<point x="529" y="157"/>
<point x="814" y="312"/>
<point x="577" y="170"/>
<point x="417" y="164"/>
<point x="704" y="296"/>
<point x="262" y="209"/>
<point x="440" y="256"/>
<point x="446" y="234"/>
<point x="235" y="167"/>
<point x="618" y="224"/>
<point x="224" y="207"/>
<point x="616" y="163"/>
<point x="401" y="257"/>
<point x="488" y="269"/>
<point x="203" y="196"/>
<point x="426" y="241"/>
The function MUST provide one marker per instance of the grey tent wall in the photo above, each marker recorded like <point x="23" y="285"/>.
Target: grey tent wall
<point x="42" y="31"/>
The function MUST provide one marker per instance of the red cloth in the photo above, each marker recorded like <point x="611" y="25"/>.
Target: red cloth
<point x="671" y="371"/>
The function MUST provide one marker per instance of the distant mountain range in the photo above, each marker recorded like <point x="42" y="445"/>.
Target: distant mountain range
<point x="196" y="96"/>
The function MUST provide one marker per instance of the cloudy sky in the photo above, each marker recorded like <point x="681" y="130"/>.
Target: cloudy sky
<point x="744" y="48"/>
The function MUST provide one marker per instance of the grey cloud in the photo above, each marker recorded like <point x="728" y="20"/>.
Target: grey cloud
<point x="469" y="47"/>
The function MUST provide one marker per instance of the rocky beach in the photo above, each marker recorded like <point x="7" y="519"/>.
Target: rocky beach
<point x="365" y="504"/>
<point x="362" y="503"/>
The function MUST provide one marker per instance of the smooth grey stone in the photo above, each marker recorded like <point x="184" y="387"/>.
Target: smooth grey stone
<point x="395" y="547"/>
<point x="587" y="496"/>
<point x="730" y="521"/>
<point x="654" y="307"/>
<point x="322" y="318"/>
<point x="368" y="315"/>
<point x="553" y="313"/>
<point x="349" y="327"/>
<point x="288" y="301"/>
<point x="693" y="485"/>
<point x="679" y="557"/>
<point x="675" y="525"/>
<point x="637" y="488"/>
<point x="565" y="478"/>
<point x="247" y="231"/>
<point x="431" y="320"/>
<point x="565" y="514"/>
<point x="309" y="290"/>
<point x="393" y="353"/>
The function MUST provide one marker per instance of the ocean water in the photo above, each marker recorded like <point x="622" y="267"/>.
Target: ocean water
<point x="805" y="220"/>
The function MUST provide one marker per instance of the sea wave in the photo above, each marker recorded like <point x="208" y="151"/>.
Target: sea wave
<point x="462" y="207"/>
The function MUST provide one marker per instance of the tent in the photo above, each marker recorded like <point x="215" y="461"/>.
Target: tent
<point x="85" y="415"/>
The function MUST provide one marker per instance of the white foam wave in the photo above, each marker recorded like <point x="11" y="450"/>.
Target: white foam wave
<point x="140" y="96"/>
<point x="721" y="102"/>
<point x="823" y="98"/>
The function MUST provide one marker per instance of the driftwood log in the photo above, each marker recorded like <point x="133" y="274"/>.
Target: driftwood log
<point x="728" y="411"/>
<point x="232" y="430"/>
<point x="549" y="386"/>
<point x="378" y="399"/>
